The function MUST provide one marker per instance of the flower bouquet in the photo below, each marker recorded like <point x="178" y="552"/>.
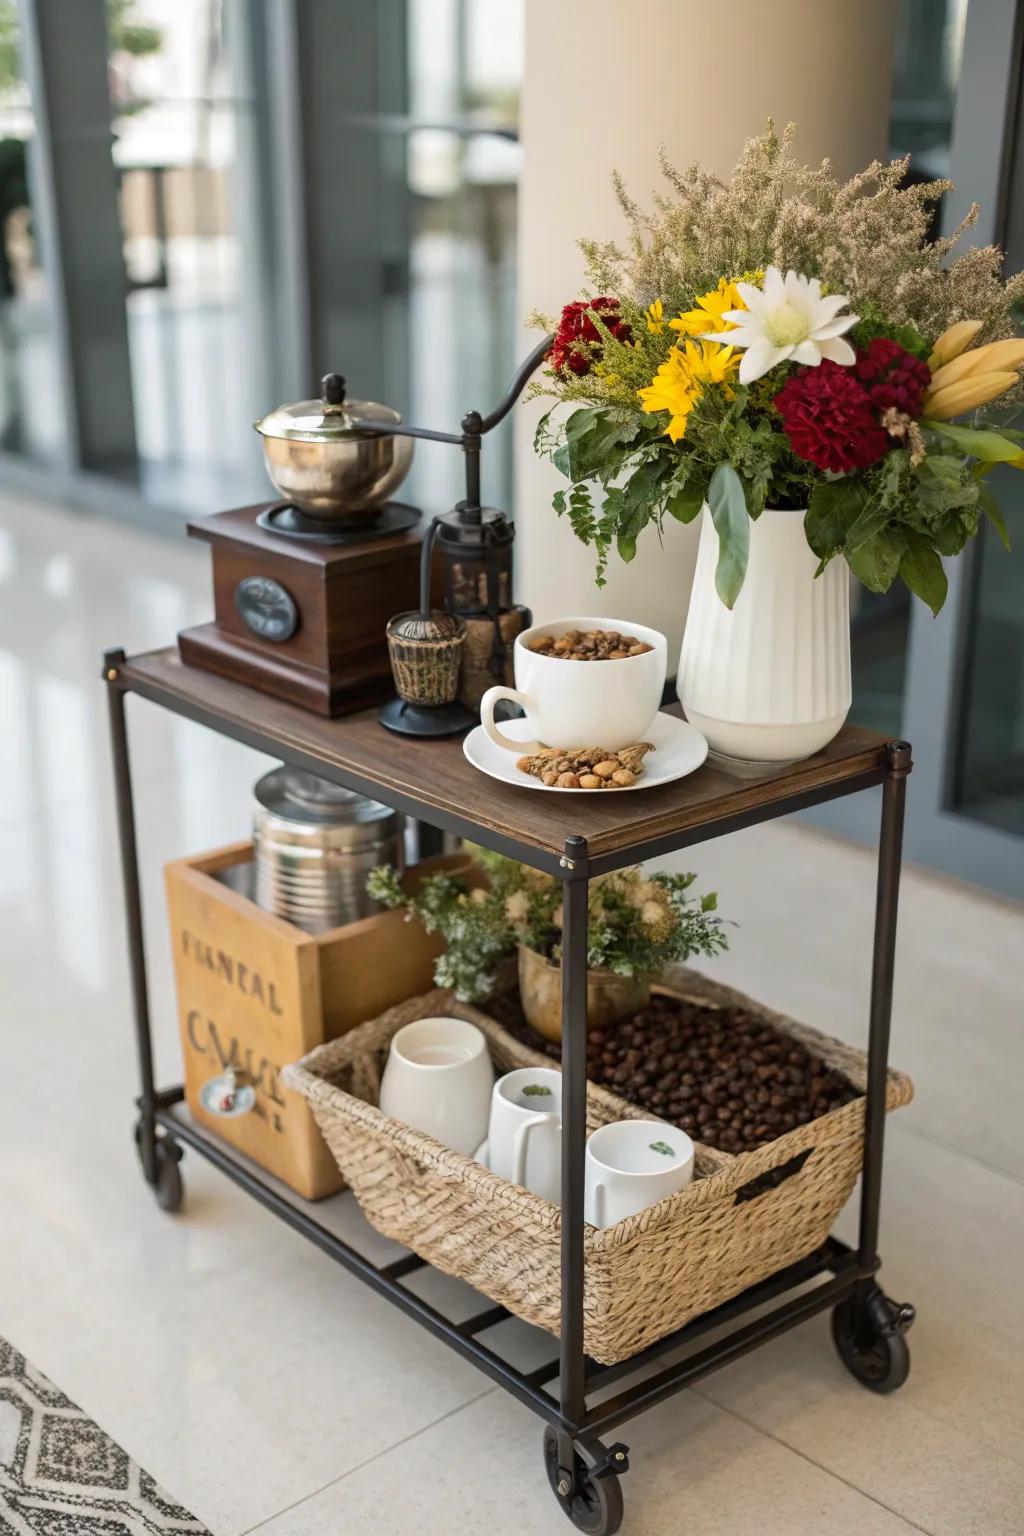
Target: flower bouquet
<point x="785" y="342"/>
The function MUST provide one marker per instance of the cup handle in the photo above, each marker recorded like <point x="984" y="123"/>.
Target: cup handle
<point x="494" y="696"/>
<point x="520" y="1146"/>
<point x="599" y="1205"/>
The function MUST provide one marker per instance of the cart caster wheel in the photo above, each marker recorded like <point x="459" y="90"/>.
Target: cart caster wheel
<point x="592" y="1496"/>
<point x="167" y="1184"/>
<point x="169" y="1187"/>
<point x="869" y="1333"/>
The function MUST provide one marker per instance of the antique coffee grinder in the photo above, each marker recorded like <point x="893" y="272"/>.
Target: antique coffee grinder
<point x="304" y="587"/>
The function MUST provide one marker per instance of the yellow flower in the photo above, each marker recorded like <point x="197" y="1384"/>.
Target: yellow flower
<point x="517" y="906"/>
<point x="712" y="364"/>
<point x="672" y="389"/>
<point x="710" y="309"/>
<point x="654" y="318"/>
<point x="679" y="382"/>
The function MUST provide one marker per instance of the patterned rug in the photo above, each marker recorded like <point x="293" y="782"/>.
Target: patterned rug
<point x="60" y="1475"/>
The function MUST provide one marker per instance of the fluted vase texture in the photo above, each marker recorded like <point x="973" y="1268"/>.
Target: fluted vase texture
<point x="769" y="679"/>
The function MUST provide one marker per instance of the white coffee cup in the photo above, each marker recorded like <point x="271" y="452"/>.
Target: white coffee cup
<point x="525" y="1133"/>
<point x="438" y="1079"/>
<point x="632" y="1164"/>
<point x="582" y="703"/>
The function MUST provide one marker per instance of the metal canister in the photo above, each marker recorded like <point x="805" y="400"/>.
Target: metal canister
<point x="315" y="843"/>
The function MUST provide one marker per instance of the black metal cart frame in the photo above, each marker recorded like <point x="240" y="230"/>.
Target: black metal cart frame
<point x="583" y="1471"/>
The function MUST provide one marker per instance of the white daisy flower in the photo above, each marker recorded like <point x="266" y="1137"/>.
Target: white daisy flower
<point x="788" y="320"/>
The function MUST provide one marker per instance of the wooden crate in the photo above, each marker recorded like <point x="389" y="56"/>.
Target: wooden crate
<point x="255" y="992"/>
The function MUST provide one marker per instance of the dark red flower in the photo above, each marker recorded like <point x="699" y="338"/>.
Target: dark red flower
<point x="576" y="346"/>
<point x="829" y="418"/>
<point x="892" y="376"/>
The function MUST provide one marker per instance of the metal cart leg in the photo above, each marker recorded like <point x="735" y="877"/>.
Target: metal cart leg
<point x="158" y="1154"/>
<point x="583" y="1475"/>
<point x="868" y="1328"/>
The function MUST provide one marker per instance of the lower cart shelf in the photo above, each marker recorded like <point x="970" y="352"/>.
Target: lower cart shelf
<point x="834" y="1267"/>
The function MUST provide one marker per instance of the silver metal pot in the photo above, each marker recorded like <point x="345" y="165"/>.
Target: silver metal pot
<point x="332" y="469"/>
<point x="315" y="843"/>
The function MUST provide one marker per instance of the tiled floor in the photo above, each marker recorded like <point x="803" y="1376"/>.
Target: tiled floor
<point x="266" y="1389"/>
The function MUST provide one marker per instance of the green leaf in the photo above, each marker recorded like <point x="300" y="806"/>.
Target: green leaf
<point x="591" y="436"/>
<point x="921" y="570"/>
<point x="558" y="502"/>
<point x="948" y="534"/>
<point x="832" y="510"/>
<point x="993" y="512"/>
<point x="685" y="503"/>
<point x="732" y="524"/>
<point x="877" y="561"/>
<point x="943" y="466"/>
<point x="992" y="447"/>
<point x="870" y="522"/>
<point x="560" y="459"/>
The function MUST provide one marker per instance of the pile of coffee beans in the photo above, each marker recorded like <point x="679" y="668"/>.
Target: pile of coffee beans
<point x="727" y="1079"/>
<point x="589" y="645"/>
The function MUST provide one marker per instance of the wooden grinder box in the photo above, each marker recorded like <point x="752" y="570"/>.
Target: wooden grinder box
<point x="255" y="992"/>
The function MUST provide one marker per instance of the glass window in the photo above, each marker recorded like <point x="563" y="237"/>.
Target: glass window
<point x="458" y="335"/>
<point x="989" y="778"/>
<point x="926" y="67"/>
<point x="195" y="252"/>
<point x="28" y="359"/>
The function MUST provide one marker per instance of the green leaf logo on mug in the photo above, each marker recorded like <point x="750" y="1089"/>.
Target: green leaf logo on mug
<point x="662" y="1147"/>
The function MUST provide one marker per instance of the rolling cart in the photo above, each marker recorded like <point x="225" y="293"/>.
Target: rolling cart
<point x="573" y="838"/>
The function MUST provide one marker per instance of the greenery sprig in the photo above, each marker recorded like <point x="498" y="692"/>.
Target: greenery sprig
<point x="638" y="922"/>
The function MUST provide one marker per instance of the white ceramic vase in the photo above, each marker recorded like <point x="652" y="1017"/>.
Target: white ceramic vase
<point x="769" y="679"/>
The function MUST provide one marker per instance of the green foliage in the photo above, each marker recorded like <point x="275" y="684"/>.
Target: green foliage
<point x="897" y="521"/>
<point x="129" y="35"/>
<point x="638" y="923"/>
<point x="873" y="324"/>
<point x="729" y="515"/>
<point x="10" y="68"/>
<point x="989" y="447"/>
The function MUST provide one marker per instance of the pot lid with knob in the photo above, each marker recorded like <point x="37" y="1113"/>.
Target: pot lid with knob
<point x="333" y="418"/>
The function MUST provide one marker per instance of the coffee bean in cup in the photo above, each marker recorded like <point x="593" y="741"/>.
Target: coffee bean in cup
<point x="589" y="645"/>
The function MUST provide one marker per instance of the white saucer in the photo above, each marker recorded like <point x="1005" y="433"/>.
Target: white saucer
<point x="679" y="749"/>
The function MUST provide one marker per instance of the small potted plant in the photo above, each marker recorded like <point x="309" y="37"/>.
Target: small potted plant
<point x="639" y="923"/>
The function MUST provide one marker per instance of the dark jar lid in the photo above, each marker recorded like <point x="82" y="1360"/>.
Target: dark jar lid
<point x="476" y="527"/>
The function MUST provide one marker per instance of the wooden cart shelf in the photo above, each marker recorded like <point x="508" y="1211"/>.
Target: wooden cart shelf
<point x="433" y="779"/>
<point x="573" y="837"/>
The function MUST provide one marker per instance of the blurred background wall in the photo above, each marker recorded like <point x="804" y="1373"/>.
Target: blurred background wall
<point x="205" y="204"/>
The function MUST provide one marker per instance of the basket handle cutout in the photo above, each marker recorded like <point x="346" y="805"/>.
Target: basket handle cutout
<point x="772" y="1177"/>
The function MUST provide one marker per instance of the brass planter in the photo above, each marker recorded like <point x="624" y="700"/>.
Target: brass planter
<point x="610" y="997"/>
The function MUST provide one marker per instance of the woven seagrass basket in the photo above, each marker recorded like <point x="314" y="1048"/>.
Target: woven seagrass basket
<point x="742" y="1219"/>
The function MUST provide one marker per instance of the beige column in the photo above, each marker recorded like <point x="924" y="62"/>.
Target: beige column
<point x="605" y="84"/>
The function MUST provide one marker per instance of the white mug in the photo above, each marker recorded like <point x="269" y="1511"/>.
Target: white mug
<point x="525" y="1133"/>
<point x="438" y="1079"/>
<point x="632" y="1164"/>
<point x="609" y="704"/>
